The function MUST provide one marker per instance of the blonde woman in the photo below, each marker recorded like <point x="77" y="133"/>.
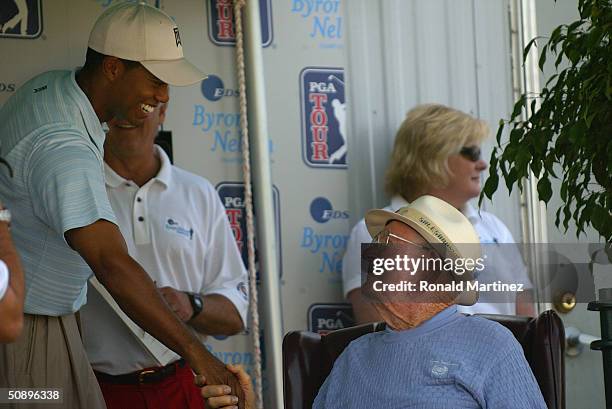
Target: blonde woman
<point x="437" y="152"/>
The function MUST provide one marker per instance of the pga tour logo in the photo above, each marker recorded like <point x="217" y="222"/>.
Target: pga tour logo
<point x="232" y="197"/>
<point x="322" y="211"/>
<point x="323" y="318"/>
<point x="324" y="143"/>
<point x="20" y="18"/>
<point x="221" y="25"/>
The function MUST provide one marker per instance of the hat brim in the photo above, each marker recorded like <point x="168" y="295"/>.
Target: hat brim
<point x="377" y="219"/>
<point x="175" y="72"/>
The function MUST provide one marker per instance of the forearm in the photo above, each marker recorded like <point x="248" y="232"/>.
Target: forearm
<point x="103" y="248"/>
<point x="137" y="295"/>
<point x="218" y="317"/>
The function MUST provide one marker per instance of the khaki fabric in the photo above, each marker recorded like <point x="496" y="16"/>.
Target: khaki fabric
<point x="49" y="354"/>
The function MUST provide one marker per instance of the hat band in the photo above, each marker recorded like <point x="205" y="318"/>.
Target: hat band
<point x="429" y="225"/>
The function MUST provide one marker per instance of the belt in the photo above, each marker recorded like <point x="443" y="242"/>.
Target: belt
<point x="150" y="375"/>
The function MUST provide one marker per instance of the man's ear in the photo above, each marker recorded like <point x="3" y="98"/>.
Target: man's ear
<point x="112" y="68"/>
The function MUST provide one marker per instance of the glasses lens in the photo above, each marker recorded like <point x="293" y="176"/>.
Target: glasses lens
<point x="470" y="152"/>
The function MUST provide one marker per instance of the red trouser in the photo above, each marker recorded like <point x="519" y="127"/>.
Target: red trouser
<point x="176" y="391"/>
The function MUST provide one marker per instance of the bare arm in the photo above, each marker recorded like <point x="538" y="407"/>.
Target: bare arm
<point x="11" y="305"/>
<point x="364" y="311"/>
<point x="218" y="317"/>
<point x="102" y="246"/>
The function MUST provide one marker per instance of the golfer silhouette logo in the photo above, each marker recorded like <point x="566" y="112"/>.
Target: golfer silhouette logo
<point x="20" y="18"/>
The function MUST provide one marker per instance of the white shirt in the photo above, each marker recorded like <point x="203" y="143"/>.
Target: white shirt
<point x="176" y="227"/>
<point x="4" y="278"/>
<point x="505" y="265"/>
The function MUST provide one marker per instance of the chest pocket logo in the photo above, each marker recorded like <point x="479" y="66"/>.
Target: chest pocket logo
<point x="176" y="227"/>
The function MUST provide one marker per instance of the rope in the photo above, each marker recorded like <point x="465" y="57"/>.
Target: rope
<point x="248" y="198"/>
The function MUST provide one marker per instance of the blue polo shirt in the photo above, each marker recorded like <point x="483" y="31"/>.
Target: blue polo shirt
<point x="53" y="139"/>
<point x="447" y="362"/>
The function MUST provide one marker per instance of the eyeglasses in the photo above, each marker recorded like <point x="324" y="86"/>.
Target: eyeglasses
<point x="384" y="237"/>
<point x="471" y="153"/>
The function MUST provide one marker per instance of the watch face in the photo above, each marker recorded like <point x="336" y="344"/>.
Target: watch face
<point x="197" y="300"/>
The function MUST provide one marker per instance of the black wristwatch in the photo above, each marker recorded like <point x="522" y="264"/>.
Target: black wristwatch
<point x="197" y="304"/>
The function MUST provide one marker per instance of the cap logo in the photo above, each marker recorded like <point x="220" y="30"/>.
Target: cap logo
<point x="177" y="37"/>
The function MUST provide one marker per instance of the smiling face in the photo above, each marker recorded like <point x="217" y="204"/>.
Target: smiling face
<point x="136" y="93"/>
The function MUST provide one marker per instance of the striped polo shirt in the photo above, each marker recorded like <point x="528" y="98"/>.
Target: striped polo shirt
<point x="52" y="138"/>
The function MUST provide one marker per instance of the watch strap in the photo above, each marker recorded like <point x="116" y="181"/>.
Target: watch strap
<point x="197" y="304"/>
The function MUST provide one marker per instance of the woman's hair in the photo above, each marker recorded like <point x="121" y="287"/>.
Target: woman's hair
<point x="427" y="137"/>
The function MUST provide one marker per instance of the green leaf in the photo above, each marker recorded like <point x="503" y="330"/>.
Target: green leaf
<point x="518" y="107"/>
<point x="544" y="189"/>
<point x="542" y="59"/>
<point x="528" y="47"/>
<point x="491" y="185"/>
<point x="500" y="131"/>
<point x="510" y="179"/>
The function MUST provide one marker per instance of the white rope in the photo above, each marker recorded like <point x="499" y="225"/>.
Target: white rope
<point x="248" y="199"/>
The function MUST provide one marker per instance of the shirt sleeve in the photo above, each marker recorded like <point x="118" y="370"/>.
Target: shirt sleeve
<point x="225" y="271"/>
<point x="4" y="278"/>
<point x="510" y="383"/>
<point x="66" y="183"/>
<point x="351" y="262"/>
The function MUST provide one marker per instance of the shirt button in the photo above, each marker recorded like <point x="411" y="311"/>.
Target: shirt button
<point x="138" y="199"/>
<point x="140" y="218"/>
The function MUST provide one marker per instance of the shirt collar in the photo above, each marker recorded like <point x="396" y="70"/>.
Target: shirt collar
<point x="164" y="176"/>
<point x="444" y="317"/>
<point x="90" y="118"/>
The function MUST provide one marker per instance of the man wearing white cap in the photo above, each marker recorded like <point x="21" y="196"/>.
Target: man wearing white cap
<point x="63" y="224"/>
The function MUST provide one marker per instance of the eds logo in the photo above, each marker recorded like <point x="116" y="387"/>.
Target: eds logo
<point x="20" y="18"/>
<point x="213" y="89"/>
<point x="221" y="27"/>
<point x="322" y="211"/>
<point x="232" y="197"/>
<point x="323" y="318"/>
<point x="323" y="115"/>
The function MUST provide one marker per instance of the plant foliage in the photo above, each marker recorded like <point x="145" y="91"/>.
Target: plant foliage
<point x="569" y="137"/>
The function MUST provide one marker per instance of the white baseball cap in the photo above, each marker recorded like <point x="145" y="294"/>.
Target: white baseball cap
<point x="139" y="32"/>
<point x="440" y="224"/>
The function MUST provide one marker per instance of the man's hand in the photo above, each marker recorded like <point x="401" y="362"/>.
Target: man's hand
<point x="219" y="396"/>
<point x="178" y="302"/>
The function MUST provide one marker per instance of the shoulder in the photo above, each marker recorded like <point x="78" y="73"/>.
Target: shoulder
<point x="489" y="333"/>
<point x="187" y="178"/>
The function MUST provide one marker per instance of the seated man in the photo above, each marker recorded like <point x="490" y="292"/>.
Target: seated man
<point x="430" y="355"/>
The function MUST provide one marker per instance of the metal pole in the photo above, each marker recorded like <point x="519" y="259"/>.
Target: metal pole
<point x="264" y="208"/>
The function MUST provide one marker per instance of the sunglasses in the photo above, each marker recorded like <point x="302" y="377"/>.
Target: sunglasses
<point x="471" y="153"/>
